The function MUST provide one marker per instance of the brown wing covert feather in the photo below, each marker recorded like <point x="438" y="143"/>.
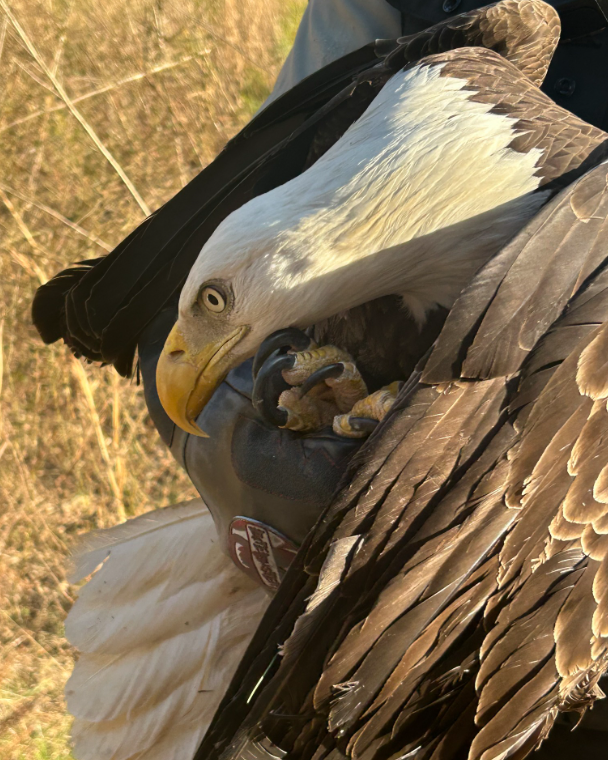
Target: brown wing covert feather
<point x="552" y="578"/>
<point x="460" y="578"/>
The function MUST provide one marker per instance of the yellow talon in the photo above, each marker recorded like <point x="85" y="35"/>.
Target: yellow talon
<point x="308" y="362"/>
<point x="373" y="407"/>
<point x="305" y="413"/>
<point x="349" y="388"/>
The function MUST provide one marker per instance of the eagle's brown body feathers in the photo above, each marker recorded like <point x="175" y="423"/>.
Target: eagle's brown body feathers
<point x="470" y="608"/>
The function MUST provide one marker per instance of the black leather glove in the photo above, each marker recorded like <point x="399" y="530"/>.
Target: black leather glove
<point x="264" y="486"/>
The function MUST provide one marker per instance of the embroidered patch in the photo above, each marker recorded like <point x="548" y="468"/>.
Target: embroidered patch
<point x="262" y="552"/>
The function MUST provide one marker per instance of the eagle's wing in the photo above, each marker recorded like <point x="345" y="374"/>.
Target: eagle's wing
<point x="100" y="307"/>
<point x="455" y="594"/>
<point x="160" y="628"/>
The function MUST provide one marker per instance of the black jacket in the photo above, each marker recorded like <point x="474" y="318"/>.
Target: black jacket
<point x="577" y="78"/>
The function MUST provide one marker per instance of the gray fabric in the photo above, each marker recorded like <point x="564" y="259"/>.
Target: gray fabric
<point x="330" y="29"/>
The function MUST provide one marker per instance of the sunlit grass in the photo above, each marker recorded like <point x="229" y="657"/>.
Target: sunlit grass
<point x="162" y="85"/>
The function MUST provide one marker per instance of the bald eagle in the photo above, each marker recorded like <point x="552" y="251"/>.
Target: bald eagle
<point x="452" y="600"/>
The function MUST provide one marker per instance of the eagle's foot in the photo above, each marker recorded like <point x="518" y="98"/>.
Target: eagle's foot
<point x="305" y="412"/>
<point x="365" y="415"/>
<point x="318" y="369"/>
<point x="301" y="386"/>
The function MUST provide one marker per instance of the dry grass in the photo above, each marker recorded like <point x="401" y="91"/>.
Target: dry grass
<point x="106" y="109"/>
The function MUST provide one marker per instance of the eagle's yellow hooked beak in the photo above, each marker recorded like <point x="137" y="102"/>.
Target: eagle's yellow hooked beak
<point x="187" y="376"/>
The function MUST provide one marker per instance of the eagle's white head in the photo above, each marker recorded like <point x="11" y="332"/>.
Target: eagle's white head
<point x="411" y="200"/>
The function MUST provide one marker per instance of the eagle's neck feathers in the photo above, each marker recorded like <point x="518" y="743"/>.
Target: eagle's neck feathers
<point x="414" y="197"/>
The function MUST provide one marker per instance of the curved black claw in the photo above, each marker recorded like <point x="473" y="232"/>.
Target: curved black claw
<point x="268" y="386"/>
<point x="282" y="341"/>
<point x="363" y="424"/>
<point x="332" y="370"/>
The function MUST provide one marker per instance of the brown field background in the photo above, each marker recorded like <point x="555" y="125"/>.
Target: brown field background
<point x="106" y="110"/>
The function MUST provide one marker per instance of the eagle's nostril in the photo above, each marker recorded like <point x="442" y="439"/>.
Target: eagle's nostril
<point x="176" y="354"/>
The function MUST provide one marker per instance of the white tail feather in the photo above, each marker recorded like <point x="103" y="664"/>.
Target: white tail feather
<point x="161" y="627"/>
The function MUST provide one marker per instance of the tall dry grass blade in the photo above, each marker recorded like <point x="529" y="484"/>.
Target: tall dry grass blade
<point x="24" y="632"/>
<point x="28" y="265"/>
<point x="1" y="362"/>
<point x="72" y="108"/>
<point x="85" y="386"/>
<point x="237" y="49"/>
<point x="125" y="64"/>
<point x="3" y="36"/>
<point x="60" y="218"/>
<point x="19" y="221"/>
<point x="106" y="88"/>
<point x="27" y="70"/>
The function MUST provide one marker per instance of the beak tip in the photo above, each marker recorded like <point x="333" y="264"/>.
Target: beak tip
<point x="191" y="427"/>
<point x="199" y="431"/>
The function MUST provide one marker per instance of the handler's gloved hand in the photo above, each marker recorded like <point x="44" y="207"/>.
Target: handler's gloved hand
<point x="264" y="486"/>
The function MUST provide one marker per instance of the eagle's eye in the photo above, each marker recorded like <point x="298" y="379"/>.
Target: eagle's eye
<point x="212" y="298"/>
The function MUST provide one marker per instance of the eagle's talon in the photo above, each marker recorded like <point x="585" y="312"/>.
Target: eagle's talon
<point x="342" y="379"/>
<point x="305" y="413"/>
<point x="304" y="390"/>
<point x="268" y="386"/>
<point x="321" y="375"/>
<point x="363" y="425"/>
<point x="281" y="341"/>
<point x="366" y="413"/>
<point x="311" y="360"/>
<point x="349" y="387"/>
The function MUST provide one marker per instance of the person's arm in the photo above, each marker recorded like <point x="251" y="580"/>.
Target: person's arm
<point x="330" y="29"/>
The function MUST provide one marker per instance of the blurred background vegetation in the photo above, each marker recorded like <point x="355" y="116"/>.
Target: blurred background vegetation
<point x="106" y="110"/>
